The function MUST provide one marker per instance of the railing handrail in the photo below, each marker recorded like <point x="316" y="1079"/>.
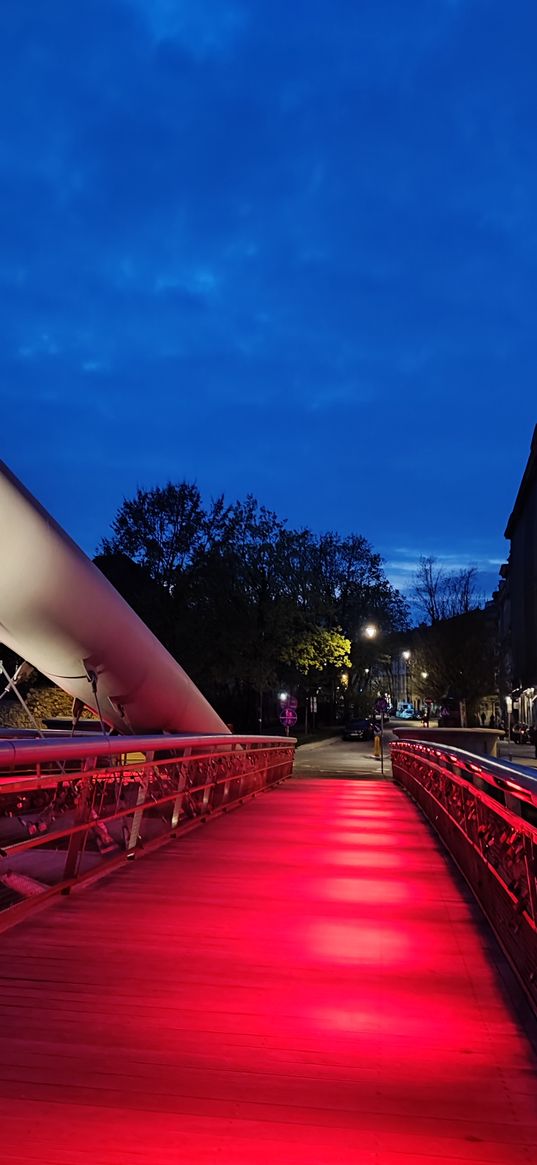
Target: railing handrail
<point x="47" y="751"/>
<point x="73" y="810"/>
<point x="506" y="776"/>
<point x="484" y="811"/>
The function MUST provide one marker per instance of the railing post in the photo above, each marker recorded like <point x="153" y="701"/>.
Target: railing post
<point x="177" y="805"/>
<point x="138" y="815"/>
<point x="78" y="840"/>
<point x="206" y="801"/>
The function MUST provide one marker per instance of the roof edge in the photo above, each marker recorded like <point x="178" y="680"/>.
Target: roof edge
<point x="529" y="473"/>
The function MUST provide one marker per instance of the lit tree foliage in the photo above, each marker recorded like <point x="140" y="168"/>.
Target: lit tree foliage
<point x="317" y="650"/>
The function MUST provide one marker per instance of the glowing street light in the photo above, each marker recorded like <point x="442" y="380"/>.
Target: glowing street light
<point x="424" y="675"/>
<point x="283" y="696"/>
<point x="406" y="656"/>
<point x="370" y="631"/>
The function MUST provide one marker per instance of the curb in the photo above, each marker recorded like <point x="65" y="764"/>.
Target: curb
<point x="317" y="743"/>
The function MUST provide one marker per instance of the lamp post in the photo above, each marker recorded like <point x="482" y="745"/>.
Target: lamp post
<point x="364" y="675"/>
<point x="406" y="657"/>
<point x="509" y="710"/>
<point x="283" y="698"/>
<point x="370" y="632"/>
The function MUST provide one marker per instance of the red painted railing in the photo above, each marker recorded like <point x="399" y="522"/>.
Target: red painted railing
<point x="73" y="809"/>
<point x="486" y="815"/>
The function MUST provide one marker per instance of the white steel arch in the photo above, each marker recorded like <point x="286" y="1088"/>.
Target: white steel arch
<point x="62" y="615"/>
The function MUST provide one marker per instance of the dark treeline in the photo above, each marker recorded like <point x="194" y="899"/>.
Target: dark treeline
<point x="246" y="605"/>
<point x="456" y="646"/>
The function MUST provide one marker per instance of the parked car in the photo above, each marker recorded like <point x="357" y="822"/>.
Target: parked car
<point x="406" y="712"/>
<point x="359" y="730"/>
<point x="520" y="733"/>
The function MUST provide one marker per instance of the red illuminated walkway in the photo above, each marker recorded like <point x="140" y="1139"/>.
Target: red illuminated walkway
<point x="299" y="983"/>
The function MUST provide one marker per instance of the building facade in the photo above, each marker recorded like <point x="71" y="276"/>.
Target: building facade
<point x="517" y="600"/>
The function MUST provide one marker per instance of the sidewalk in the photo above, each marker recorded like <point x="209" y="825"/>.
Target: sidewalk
<point x="317" y="743"/>
<point x="519" y="754"/>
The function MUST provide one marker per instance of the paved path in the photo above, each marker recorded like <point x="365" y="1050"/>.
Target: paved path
<point x="520" y="754"/>
<point x="301" y="982"/>
<point x="337" y="758"/>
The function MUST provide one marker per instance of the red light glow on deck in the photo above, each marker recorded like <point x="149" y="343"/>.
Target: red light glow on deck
<point x="302" y="982"/>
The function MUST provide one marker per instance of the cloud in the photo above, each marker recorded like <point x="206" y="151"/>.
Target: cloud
<point x="300" y="234"/>
<point x="203" y="28"/>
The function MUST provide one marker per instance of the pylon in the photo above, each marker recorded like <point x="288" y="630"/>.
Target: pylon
<point x="376" y="748"/>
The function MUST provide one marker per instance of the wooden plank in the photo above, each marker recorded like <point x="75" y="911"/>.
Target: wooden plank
<point x="302" y="981"/>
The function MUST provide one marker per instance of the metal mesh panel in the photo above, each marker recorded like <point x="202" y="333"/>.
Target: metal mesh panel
<point x="481" y="822"/>
<point x="66" y="820"/>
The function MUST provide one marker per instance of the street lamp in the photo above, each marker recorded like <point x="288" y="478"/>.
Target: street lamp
<point x="509" y="709"/>
<point x="370" y="631"/>
<point x="406" y="657"/>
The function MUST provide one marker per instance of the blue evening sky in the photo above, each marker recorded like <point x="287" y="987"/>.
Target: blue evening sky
<point x="280" y="248"/>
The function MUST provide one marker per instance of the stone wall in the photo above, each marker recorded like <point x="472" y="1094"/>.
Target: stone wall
<point x="43" y="703"/>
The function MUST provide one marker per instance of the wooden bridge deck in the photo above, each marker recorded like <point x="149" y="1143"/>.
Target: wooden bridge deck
<point x="299" y="982"/>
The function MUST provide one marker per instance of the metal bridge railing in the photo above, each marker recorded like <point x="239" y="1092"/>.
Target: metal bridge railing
<point x="486" y="814"/>
<point x="73" y="809"/>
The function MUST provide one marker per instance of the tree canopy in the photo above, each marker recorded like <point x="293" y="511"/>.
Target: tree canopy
<point x="243" y="602"/>
<point x="458" y="658"/>
<point x="441" y="594"/>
